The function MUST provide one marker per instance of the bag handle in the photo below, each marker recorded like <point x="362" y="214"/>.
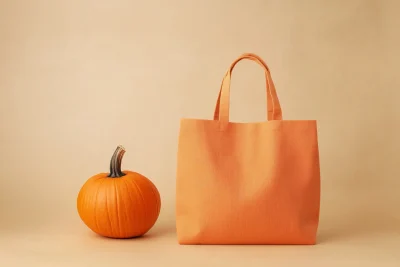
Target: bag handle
<point x="222" y="106"/>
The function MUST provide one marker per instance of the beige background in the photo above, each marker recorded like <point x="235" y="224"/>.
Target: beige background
<point x="78" y="78"/>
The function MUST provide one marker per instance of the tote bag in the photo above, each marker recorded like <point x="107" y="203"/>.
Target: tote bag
<point x="247" y="183"/>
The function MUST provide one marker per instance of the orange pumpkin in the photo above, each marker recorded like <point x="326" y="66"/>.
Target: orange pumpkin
<point x="119" y="204"/>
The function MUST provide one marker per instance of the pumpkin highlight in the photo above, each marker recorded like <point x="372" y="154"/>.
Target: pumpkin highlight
<point x="119" y="204"/>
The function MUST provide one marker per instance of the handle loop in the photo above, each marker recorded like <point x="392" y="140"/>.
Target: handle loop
<point x="222" y="106"/>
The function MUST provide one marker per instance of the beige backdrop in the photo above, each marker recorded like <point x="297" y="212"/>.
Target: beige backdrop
<point x="78" y="78"/>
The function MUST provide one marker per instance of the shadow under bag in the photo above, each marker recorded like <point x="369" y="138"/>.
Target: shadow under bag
<point x="247" y="183"/>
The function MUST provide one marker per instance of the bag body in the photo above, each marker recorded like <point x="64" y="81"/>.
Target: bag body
<point x="247" y="183"/>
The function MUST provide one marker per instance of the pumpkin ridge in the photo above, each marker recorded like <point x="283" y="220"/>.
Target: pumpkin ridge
<point x="117" y="208"/>
<point x="128" y="218"/>
<point x="142" y="198"/>
<point x="133" y="186"/>
<point x="158" y="198"/>
<point x="107" y="214"/>
<point x="95" y="206"/>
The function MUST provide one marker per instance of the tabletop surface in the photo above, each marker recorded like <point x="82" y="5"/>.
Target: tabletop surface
<point x="55" y="248"/>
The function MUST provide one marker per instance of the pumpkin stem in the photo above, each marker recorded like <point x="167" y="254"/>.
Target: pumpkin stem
<point x="115" y="164"/>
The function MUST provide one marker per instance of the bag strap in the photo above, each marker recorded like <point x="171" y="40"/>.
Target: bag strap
<point x="222" y="106"/>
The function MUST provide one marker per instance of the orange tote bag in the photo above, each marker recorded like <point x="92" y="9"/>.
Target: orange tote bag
<point x="247" y="183"/>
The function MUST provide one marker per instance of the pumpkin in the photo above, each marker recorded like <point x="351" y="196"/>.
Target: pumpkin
<point x="119" y="204"/>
